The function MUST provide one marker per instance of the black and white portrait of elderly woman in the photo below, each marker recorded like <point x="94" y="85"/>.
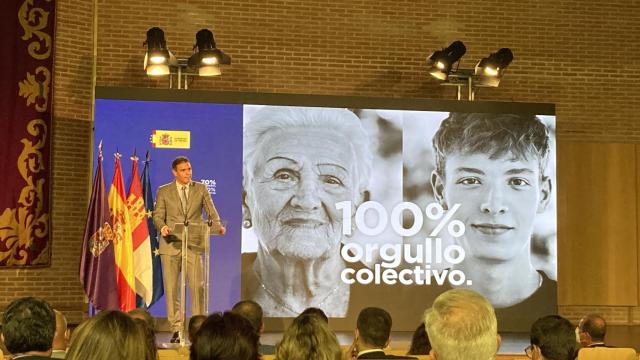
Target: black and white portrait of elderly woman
<point x="298" y="164"/>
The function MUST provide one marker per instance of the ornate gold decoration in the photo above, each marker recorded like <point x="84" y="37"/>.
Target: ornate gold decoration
<point x="137" y="213"/>
<point x="19" y="227"/>
<point x="33" y="21"/>
<point x="32" y="89"/>
<point x="99" y="241"/>
<point x="118" y="225"/>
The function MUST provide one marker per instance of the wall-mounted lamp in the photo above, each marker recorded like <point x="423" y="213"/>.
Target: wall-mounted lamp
<point x="487" y="73"/>
<point x="441" y="61"/>
<point x="157" y="57"/>
<point x="491" y="69"/>
<point x="205" y="61"/>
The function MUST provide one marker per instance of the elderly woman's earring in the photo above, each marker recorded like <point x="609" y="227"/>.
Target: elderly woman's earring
<point x="247" y="223"/>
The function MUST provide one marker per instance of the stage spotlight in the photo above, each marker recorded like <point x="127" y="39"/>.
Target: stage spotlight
<point x="441" y="61"/>
<point x="207" y="58"/>
<point x="491" y="68"/>
<point x="157" y="57"/>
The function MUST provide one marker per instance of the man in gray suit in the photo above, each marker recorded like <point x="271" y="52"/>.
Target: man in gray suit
<point x="179" y="202"/>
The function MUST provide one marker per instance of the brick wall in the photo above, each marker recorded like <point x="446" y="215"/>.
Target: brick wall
<point x="582" y="55"/>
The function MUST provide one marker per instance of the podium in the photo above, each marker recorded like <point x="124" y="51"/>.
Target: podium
<point x="195" y="237"/>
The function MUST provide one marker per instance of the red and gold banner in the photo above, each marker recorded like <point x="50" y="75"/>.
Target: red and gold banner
<point x="122" y="242"/>
<point x="26" y="72"/>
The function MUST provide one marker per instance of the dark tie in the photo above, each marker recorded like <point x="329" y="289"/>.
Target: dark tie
<point x="183" y="198"/>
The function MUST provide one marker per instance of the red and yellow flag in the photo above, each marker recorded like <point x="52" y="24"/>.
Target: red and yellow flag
<point x="123" y="243"/>
<point x="140" y="235"/>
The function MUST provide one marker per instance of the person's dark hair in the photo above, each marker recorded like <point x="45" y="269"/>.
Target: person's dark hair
<point x="420" y="344"/>
<point x="494" y="134"/>
<point x="194" y="325"/>
<point x="374" y="326"/>
<point x="225" y="337"/>
<point x="251" y="310"/>
<point x="149" y="337"/>
<point x="595" y="326"/>
<point x="555" y="336"/>
<point x="28" y="325"/>
<point x="143" y="314"/>
<point x="179" y="160"/>
<point x="317" y="312"/>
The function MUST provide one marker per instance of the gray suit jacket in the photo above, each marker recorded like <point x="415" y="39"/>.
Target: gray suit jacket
<point x="168" y="211"/>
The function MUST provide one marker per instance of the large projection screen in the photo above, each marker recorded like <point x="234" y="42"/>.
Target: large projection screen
<point x="342" y="203"/>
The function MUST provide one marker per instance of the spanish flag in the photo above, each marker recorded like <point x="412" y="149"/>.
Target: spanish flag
<point x="123" y="240"/>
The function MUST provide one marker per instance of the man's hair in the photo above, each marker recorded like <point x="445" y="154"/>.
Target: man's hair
<point x="555" y="336"/>
<point x="179" y="160"/>
<point x="28" y="325"/>
<point x="308" y="338"/>
<point x="143" y="314"/>
<point x="251" y="310"/>
<point x="374" y="326"/>
<point x="194" y="325"/>
<point x="462" y="325"/>
<point x="420" y="344"/>
<point x="595" y="326"/>
<point x="226" y="336"/>
<point x="496" y="135"/>
<point x="109" y="335"/>
<point x="342" y="121"/>
<point x="317" y="312"/>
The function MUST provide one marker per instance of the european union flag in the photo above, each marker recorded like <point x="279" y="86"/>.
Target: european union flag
<point x="147" y="193"/>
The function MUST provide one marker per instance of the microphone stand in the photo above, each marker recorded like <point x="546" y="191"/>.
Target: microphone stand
<point x="183" y="285"/>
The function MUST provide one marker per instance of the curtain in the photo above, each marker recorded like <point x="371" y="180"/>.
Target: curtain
<point x="26" y="74"/>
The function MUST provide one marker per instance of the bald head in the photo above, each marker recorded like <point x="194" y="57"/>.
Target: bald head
<point x="592" y="328"/>
<point x="250" y="310"/>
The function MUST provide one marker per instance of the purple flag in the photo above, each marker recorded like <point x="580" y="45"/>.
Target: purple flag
<point x="97" y="263"/>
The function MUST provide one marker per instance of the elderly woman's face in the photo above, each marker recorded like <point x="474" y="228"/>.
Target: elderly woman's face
<point x="298" y="175"/>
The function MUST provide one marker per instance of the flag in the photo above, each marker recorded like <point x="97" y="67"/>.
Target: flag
<point x="123" y="242"/>
<point x="158" y="288"/>
<point x="97" y="263"/>
<point x="140" y="236"/>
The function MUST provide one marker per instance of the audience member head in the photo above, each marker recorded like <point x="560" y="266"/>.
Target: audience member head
<point x="552" y="338"/>
<point x="308" y="338"/>
<point x="251" y="311"/>
<point x="373" y="328"/>
<point x="110" y="335"/>
<point x="420" y="344"/>
<point x="317" y="312"/>
<point x="462" y="325"/>
<point x="149" y="337"/>
<point x="145" y="315"/>
<point x="28" y="327"/>
<point x="194" y="325"/>
<point x="591" y="329"/>
<point x="225" y="337"/>
<point x="61" y="336"/>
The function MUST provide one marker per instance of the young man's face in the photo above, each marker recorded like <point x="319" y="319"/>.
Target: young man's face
<point x="499" y="199"/>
